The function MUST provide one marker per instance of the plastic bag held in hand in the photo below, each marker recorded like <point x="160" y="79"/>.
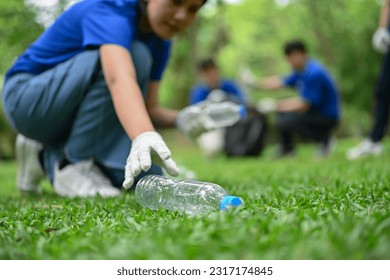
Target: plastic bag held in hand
<point x="145" y="147"/>
<point x="190" y="122"/>
<point x="381" y="40"/>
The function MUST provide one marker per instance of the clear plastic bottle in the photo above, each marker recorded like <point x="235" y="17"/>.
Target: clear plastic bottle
<point x="222" y="114"/>
<point x="191" y="197"/>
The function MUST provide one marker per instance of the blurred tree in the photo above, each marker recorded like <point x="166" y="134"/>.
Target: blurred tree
<point x="338" y="33"/>
<point x="342" y="32"/>
<point x="18" y="29"/>
<point x="47" y="12"/>
<point x="249" y="33"/>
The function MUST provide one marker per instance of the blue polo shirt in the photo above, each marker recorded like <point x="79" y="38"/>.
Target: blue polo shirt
<point x="316" y="87"/>
<point x="200" y="92"/>
<point x="88" y="25"/>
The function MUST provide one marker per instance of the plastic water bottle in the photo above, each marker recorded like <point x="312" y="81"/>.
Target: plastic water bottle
<point x="191" y="197"/>
<point x="222" y="114"/>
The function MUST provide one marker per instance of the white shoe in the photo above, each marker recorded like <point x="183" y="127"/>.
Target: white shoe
<point x="29" y="172"/>
<point x="82" y="179"/>
<point x="364" y="148"/>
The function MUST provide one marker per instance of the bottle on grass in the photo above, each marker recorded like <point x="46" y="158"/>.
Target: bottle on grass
<point x="189" y="196"/>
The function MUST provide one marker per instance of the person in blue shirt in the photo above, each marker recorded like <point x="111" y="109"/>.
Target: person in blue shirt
<point x="372" y="145"/>
<point x="214" y="88"/>
<point x="84" y="96"/>
<point x="211" y="80"/>
<point x="316" y="110"/>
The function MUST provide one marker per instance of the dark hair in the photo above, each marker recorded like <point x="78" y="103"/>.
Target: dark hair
<point x="294" y="45"/>
<point x="206" y="64"/>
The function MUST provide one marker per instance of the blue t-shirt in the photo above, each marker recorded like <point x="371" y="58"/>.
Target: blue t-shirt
<point x="88" y="25"/>
<point x="200" y="92"/>
<point x="316" y="87"/>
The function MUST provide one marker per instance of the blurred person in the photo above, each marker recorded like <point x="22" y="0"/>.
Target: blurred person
<point x="214" y="88"/>
<point x="372" y="145"/>
<point x="314" y="113"/>
<point x="84" y="97"/>
<point x="211" y="82"/>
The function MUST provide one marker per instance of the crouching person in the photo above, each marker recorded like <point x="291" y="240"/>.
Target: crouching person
<point x="83" y="96"/>
<point x="315" y="113"/>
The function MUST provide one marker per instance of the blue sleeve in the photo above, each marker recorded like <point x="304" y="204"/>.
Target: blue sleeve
<point x="102" y="24"/>
<point x="198" y="94"/>
<point x="290" y="80"/>
<point x="312" y="89"/>
<point x="233" y="89"/>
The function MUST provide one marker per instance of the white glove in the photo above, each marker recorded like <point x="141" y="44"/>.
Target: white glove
<point x="144" y="147"/>
<point x="266" y="105"/>
<point x="190" y="121"/>
<point x="247" y="78"/>
<point x="381" y="40"/>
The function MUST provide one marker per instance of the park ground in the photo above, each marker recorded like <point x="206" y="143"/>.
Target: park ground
<point x="296" y="208"/>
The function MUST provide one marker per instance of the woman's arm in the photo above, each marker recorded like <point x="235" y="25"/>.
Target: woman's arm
<point x="121" y="80"/>
<point x="161" y="117"/>
<point x="269" y="83"/>
<point x="384" y="18"/>
<point x="120" y="76"/>
<point x="292" y="105"/>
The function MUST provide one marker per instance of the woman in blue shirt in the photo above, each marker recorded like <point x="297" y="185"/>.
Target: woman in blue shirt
<point x="86" y="93"/>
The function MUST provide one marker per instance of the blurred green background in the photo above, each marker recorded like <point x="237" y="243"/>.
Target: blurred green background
<point x="246" y="33"/>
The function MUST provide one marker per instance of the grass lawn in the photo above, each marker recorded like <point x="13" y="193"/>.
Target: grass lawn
<point x="296" y="208"/>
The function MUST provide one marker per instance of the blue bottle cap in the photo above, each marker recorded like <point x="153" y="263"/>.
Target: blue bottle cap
<point x="229" y="201"/>
<point x="242" y="111"/>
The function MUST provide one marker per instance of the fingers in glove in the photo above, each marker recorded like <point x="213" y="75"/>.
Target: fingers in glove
<point x="129" y="178"/>
<point x="162" y="150"/>
<point x="145" y="160"/>
<point x="135" y="164"/>
<point x="171" y="167"/>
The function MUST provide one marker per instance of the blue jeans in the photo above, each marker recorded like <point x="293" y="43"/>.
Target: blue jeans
<point x="70" y="111"/>
<point x="382" y="101"/>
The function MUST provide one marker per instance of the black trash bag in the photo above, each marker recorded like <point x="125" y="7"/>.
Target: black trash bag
<point x="247" y="137"/>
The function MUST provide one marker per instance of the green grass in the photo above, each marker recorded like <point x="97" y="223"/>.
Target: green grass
<point x="297" y="208"/>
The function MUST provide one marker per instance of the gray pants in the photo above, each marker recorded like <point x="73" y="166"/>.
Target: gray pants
<point x="70" y="111"/>
<point x="309" y="125"/>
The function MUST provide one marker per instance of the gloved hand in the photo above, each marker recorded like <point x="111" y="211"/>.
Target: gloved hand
<point x="146" y="146"/>
<point x="266" y="105"/>
<point x="381" y="40"/>
<point x="190" y="121"/>
<point x="247" y="78"/>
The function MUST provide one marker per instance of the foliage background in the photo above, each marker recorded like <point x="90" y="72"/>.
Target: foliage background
<point x="250" y="34"/>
